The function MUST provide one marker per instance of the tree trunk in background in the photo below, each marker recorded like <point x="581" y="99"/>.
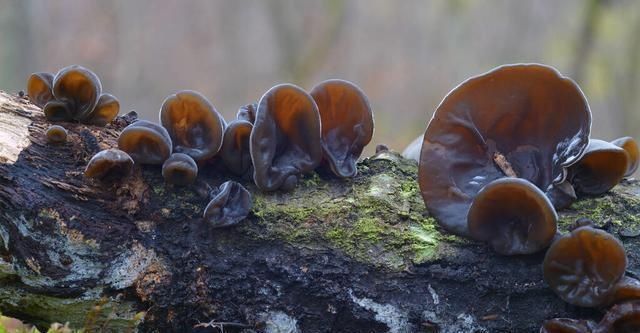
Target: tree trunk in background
<point x="592" y="14"/>
<point x="357" y="255"/>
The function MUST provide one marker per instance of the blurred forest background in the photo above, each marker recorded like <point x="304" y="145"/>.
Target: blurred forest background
<point x="406" y="55"/>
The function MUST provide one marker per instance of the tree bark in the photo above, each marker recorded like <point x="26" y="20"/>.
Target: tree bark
<point x="355" y="255"/>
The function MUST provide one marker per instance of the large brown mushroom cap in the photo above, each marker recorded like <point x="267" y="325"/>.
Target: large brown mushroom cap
<point x="235" y="152"/>
<point x="195" y="127"/>
<point x="285" y="141"/>
<point x="633" y="153"/>
<point x="39" y="88"/>
<point x="523" y="119"/>
<point x="79" y="88"/>
<point x="108" y="165"/>
<point x="602" y="167"/>
<point x="584" y="267"/>
<point x="347" y="124"/>
<point x="146" y="142"/>
<point x="514" y="216"/>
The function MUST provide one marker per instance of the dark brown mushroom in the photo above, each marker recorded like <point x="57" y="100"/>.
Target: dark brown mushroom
<point x="145" y="142"/>
<point x="180" y="169"/>
<point x="621" y="318"/>
<point x="514" y="216"/>
<point x="109" y="165"/>
<point x="56" y="110"/>
<point x="104" y="112"/>
<point x="79" y="88"/>
<point x="584" y="266"/>
<point x="40" y="88"/>
<point x="627" y="289"/>
<point x="562" y="195"/>
<point x="347" y="124"/>
<point x="235" y="152"/>
<point x="602" y="167"/>
<point x="285" y="141"/>
<point x="229" y="205"/>
<point x="633" y="153"/>
<point x="524" y="120"/>
<point x="248" y="113"/>
<point x="194" y="125"/>
<point x="566" y="325"/>
<point x="56" y="134"/>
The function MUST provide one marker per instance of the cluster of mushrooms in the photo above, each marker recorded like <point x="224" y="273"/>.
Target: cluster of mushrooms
<point x="288" y="133"/>
<point x="503" y="152"/>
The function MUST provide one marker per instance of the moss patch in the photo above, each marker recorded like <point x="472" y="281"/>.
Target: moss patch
<point x="618" y="210"/>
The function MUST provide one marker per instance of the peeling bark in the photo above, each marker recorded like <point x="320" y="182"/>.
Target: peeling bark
<point x="357" y="255"/>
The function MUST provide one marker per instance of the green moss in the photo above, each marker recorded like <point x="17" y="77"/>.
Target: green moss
<point x="618" y="209"/>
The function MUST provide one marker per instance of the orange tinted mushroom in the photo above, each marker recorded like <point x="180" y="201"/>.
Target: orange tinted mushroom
<point x="39" y="88"/>
<point x="622" y="318"/>
<point x="627" y="289"/>
<point x="56" y="134"/>
<point x="633" y="153"/>
<point x="347" y="124"/>
<point x="602" y="167"/>
<point x="180" y="169"/>
<point x="145" y="142"/>
<point x="285" y="141"/>
<point x="109" y="165"/>
<point x="248" y="113"/>
<point x="235" y="147"/>
<point x="584" y="266"/>
<point x="104" y="112"/>
<point x="523" y="120"/>
<point x="194" y="125"/>
<point x="79" y="88"/>
<point x="565" y="325"/>
<point x="514" y="216"/>
<point x="230" y="204"/>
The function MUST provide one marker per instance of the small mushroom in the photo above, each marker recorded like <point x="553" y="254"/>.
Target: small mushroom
<point x="347" y="124"/>
<point x="584" y="266"/>
<point x="79" y="88"/>
<point x="229" y="205"/>
<point x="104" y="112"/>
<point x="524" y="120"/>
<point x="602" y="167"/>
<point x="248" y="113"/>
<point x="627" y="289"/>
<point x="633" y="153"/>
<point x="621" y="318"/>
<point x="562" y="195"/>
<point x="56" y="134"/>
<point x="56" y="110"/>
<point x="180" y="169"/>
<point x="145" y="142"/>
<point x="39" y="88"/>
<point x="194" y="125"/>
<point x="235" y="152"/>
<point x="109" y="165"/>
<point x="514" y="216"/>
<point x="566" y="325"/>
<point x="285" y="141"/>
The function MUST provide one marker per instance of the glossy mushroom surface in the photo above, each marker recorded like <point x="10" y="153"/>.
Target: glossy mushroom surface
<point x="109" y="165"/>
<point x="622" y="318"/>
<point x="145" y="142"/>
<point x="248" y="113"/>
<point x="180" y="169"/>
<point x="285" y="141"/>
<point x="40" y="88"/>
<point x="347" y="124"/>
<point x="104" y="112"/>
<point x="235" y="152"/>
<point x="633" y="153"/>
<point x="584" y="266"/>
<point x="602" y="167"/>
<point x="79" y="88"/>
<point x="56" y="134"/>
<point x="566" y="325"/>
<point x="194" y="125"/>
<point x="228" y="206"/>
<point x="514" y="216"/>
<point x="524" y="120"/>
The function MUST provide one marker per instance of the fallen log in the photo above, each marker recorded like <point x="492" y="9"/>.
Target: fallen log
<point x="355" y="255"/>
